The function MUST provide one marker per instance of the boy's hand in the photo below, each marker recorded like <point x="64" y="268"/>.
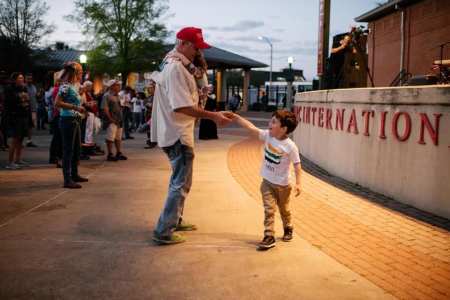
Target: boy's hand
<point x="298" y="190"/>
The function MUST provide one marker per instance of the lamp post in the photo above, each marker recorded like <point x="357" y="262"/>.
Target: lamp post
<point x="83" y="61"/>
<point x="289" y="79"/>
<point x="263" y="38"/>
<point x="290" y="62"/>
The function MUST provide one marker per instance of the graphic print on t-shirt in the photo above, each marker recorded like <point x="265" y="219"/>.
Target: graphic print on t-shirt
<point x="272" y="154"/>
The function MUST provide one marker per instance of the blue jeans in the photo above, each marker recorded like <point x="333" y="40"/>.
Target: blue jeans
<point x="181" y="159"/>
<point x="71" y="144"/>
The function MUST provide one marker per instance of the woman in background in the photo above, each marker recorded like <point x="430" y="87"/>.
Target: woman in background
<point x="18" y="114"/>
<point x="68" y="101"/>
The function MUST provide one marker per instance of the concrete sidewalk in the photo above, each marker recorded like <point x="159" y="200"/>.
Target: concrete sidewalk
<point x="95" y="243"/>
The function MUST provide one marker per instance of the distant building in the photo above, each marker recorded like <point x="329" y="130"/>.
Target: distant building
<point x="405" y="35"/>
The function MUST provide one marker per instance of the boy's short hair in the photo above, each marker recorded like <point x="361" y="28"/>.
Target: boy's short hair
<point x="287" y="119"/>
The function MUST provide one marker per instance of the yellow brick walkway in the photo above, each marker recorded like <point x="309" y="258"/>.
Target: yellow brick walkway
<point x="406" y="257"/>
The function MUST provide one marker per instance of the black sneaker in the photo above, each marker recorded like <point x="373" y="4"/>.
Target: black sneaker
<point x="267" y="243"/>
<point x="84" y="157"/>
<point x="120" y="156"/>
<point x="111" y="158"/>
<point x="80" y="179"/>
<point x="31" y="144"/>
<point x="150" y="144"/>
<point x="287" y="237"/>
<point x="72" y="185"/>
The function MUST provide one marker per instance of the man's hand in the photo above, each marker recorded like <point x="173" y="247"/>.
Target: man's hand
<point x="298" y="190"/>
<point x="221" y="119"/>
<point x="230" y="115"/>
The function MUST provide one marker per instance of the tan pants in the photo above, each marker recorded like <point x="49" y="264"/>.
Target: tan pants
<point x="274" y="195"/>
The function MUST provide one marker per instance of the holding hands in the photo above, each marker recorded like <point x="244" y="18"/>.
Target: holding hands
<point x="223" y="118"/>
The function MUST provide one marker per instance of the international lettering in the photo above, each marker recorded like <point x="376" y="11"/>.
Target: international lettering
<point x="399" y="123"/>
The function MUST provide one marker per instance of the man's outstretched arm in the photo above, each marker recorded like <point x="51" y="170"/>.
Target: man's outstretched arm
<point x="221" y="118"/>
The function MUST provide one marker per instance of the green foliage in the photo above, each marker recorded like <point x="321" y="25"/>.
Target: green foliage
<point x="126" y="35"/>
<point x="100" y="60"/>
<point x="21" y="21"/>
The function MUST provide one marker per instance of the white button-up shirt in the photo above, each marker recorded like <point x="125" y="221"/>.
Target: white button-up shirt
<point x="175" y="88"/>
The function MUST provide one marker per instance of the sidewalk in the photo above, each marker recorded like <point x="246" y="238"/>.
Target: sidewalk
<point x="401" y="249"/>
<point x="96" y="242"/>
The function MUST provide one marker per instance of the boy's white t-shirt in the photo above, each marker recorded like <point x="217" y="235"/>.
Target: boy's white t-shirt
<point x="278" y="157"/>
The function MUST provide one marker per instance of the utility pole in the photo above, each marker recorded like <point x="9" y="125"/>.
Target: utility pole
<point x="324" y="36"/>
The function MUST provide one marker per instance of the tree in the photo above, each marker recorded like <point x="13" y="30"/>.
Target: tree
<point x="125" y="31"/>
<point x="21" y="21"/>
<point x="14" y="56"/>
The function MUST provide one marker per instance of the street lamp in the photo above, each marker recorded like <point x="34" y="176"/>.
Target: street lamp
<point x="263" y="38"/>
<point x="290" y="61"/>
<point x="83" y="58"/>
<point x="83" y="61"/>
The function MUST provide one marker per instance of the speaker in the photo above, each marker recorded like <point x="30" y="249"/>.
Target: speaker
<point x="422" y="80"/>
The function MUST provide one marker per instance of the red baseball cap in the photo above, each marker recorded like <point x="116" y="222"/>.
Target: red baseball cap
<point x="193" y="35"/>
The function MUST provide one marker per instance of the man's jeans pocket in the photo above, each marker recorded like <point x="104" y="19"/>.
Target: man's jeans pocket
<point x="173" y="151"/>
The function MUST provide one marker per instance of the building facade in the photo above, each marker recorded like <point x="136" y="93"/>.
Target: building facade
<point x="406" y="35"/>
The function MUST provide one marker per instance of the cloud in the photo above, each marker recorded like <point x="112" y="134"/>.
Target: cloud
<point x="212" y="28"/>
<point x="71" y="32"/>
<point x="237" y="48"/>
<point x="271" y="39"/>
<point x="244" y="25"/>
<point x="308" y="51"/>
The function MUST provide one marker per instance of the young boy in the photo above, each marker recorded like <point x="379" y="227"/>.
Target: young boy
<point x="279" y="152"/>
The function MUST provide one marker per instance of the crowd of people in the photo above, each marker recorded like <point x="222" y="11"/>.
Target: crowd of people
<point x="68" y="108"/>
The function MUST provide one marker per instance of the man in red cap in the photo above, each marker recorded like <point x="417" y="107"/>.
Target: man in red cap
<point x="195" y="37"/>
<point x="175" y="108"/>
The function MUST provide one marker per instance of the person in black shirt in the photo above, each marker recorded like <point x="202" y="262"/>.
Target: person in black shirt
<point x="207" y="128"/>
<point x="18" y="112"/>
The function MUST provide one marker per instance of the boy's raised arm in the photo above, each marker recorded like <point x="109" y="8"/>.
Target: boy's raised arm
<point x="251" y="129"/>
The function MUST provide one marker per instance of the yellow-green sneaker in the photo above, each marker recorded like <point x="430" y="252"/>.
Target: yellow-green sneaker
<point x="168" y="240"/>
<point x="185" y="227"/>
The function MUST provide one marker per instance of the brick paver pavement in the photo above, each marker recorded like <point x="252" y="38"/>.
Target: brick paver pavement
<point x="401" y="249"/>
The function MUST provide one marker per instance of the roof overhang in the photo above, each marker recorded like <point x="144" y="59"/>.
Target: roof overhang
<point x="55" y="59"/>
<point x="218" y="58"/>
<point x="384" y="10"/>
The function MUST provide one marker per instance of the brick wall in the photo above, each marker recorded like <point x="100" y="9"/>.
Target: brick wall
<point x="427" y="24"/>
